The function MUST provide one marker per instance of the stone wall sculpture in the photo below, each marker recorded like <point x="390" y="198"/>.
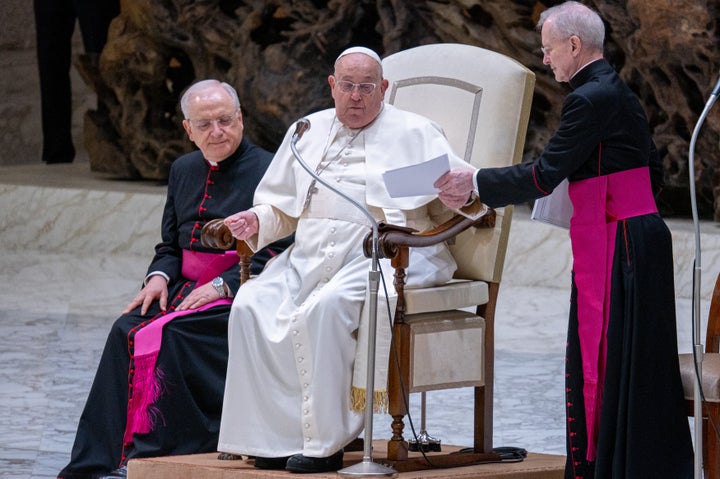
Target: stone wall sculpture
<point x="278" y="53"/>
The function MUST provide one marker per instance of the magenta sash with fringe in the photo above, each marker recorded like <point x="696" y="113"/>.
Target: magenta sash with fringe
<point x="598" y="204"/>
<point x="146" y="385"/>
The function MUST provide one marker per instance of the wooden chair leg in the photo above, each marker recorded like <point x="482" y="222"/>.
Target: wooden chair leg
<point x="483" y="433"/>
<point x="711" y="444"/>
<point x="483" y="440"/>
<point x="397" y="446"/>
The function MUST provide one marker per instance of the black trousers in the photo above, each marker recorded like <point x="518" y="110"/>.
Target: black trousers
<point x="54" y="24"/>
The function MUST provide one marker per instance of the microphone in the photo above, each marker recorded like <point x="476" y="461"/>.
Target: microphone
<point x="301" y="127"/>
<point x="716" y="90"/>
<point x="373" y="285"/>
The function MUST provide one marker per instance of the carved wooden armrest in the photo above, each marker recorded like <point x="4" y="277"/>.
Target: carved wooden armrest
<point x="215" y="234"/>
<point x="394" y="242"/>
<point x="392" y="238"/>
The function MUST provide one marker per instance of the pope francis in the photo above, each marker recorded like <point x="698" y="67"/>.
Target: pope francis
<point x="294" y="392"/>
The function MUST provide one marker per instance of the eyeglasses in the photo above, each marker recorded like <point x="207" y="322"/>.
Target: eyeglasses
<point x="363" y="88"/>
<point x="222" y="122"/>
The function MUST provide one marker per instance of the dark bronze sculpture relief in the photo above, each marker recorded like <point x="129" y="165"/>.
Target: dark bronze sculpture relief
<point x="278" y="54"/>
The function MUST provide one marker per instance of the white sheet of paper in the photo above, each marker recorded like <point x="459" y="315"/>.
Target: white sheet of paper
<point x="416" y="180"/>
<point x="554" y="209"/>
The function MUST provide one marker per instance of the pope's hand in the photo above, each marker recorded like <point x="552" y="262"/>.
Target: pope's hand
<point x="243" y="225"/>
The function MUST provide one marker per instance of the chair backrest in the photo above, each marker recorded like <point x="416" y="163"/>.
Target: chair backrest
<point x="482" y="100"/>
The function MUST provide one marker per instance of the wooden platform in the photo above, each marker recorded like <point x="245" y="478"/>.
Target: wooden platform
<point x="207" y="466"/>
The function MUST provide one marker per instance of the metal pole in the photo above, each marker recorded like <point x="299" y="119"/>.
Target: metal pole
<point x="367" y="467"/>
<point x="696" y="324"/>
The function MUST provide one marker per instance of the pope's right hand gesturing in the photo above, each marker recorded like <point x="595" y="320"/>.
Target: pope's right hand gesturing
<point x="243" y="225"/>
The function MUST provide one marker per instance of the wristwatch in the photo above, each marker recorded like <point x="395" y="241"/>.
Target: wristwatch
<point x="219" y="286"/>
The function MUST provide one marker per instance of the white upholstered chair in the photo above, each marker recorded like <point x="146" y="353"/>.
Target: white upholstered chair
<point x="444" y="335"/>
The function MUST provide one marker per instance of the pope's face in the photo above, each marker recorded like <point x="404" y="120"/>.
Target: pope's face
<point x="355" y="105"/>
<point x="215" y="123"/>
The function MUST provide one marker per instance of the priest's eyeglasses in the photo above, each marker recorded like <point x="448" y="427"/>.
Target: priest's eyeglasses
<point x="363" y="88"/>
<point x="222" y="122"/>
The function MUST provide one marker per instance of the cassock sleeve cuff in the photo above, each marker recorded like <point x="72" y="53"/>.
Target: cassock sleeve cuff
<point x="167" y="278"/>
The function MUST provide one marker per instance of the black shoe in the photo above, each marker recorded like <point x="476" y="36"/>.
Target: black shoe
<point x="119" y="473"/>
<point x="79" y="475"/>
<point x="276" y="463"/>
<point x="304" y="464"/>
<point x="58" y="154"/>
<point x="66" y="474"/>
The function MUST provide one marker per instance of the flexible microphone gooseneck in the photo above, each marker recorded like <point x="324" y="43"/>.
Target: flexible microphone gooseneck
<point x="696" y="323"/>
<point x="716" y="91"/>
<point x="301" y="127"/>
<point x="367" y="467"/>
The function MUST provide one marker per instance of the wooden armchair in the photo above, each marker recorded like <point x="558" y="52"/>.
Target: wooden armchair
<point x="710" y="386"/>
<point x="444" y="335"/>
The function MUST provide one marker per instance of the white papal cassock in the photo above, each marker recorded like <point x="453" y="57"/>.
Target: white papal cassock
<point x="293" y="330"/>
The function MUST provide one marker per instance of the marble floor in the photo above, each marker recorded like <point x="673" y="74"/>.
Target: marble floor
<point x="57" y="307"/>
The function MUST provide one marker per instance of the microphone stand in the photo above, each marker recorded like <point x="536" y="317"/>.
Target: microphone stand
<point x="696" y="324"/>
<point x="367" y="467"/>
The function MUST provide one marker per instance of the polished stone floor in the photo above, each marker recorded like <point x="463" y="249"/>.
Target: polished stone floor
<point x="75" y="247"/>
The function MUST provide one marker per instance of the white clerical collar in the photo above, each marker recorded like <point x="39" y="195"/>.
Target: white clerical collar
<point x="347" y="131"/>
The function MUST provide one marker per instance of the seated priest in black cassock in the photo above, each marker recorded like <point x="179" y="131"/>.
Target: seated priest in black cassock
<point x="158" y="389"/>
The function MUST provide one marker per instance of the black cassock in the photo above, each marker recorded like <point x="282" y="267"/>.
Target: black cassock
<point x="194" y="353"/>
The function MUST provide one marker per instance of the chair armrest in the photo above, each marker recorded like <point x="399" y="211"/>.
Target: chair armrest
<point x="215" y="234"/>
<point x="392" y="238"/>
